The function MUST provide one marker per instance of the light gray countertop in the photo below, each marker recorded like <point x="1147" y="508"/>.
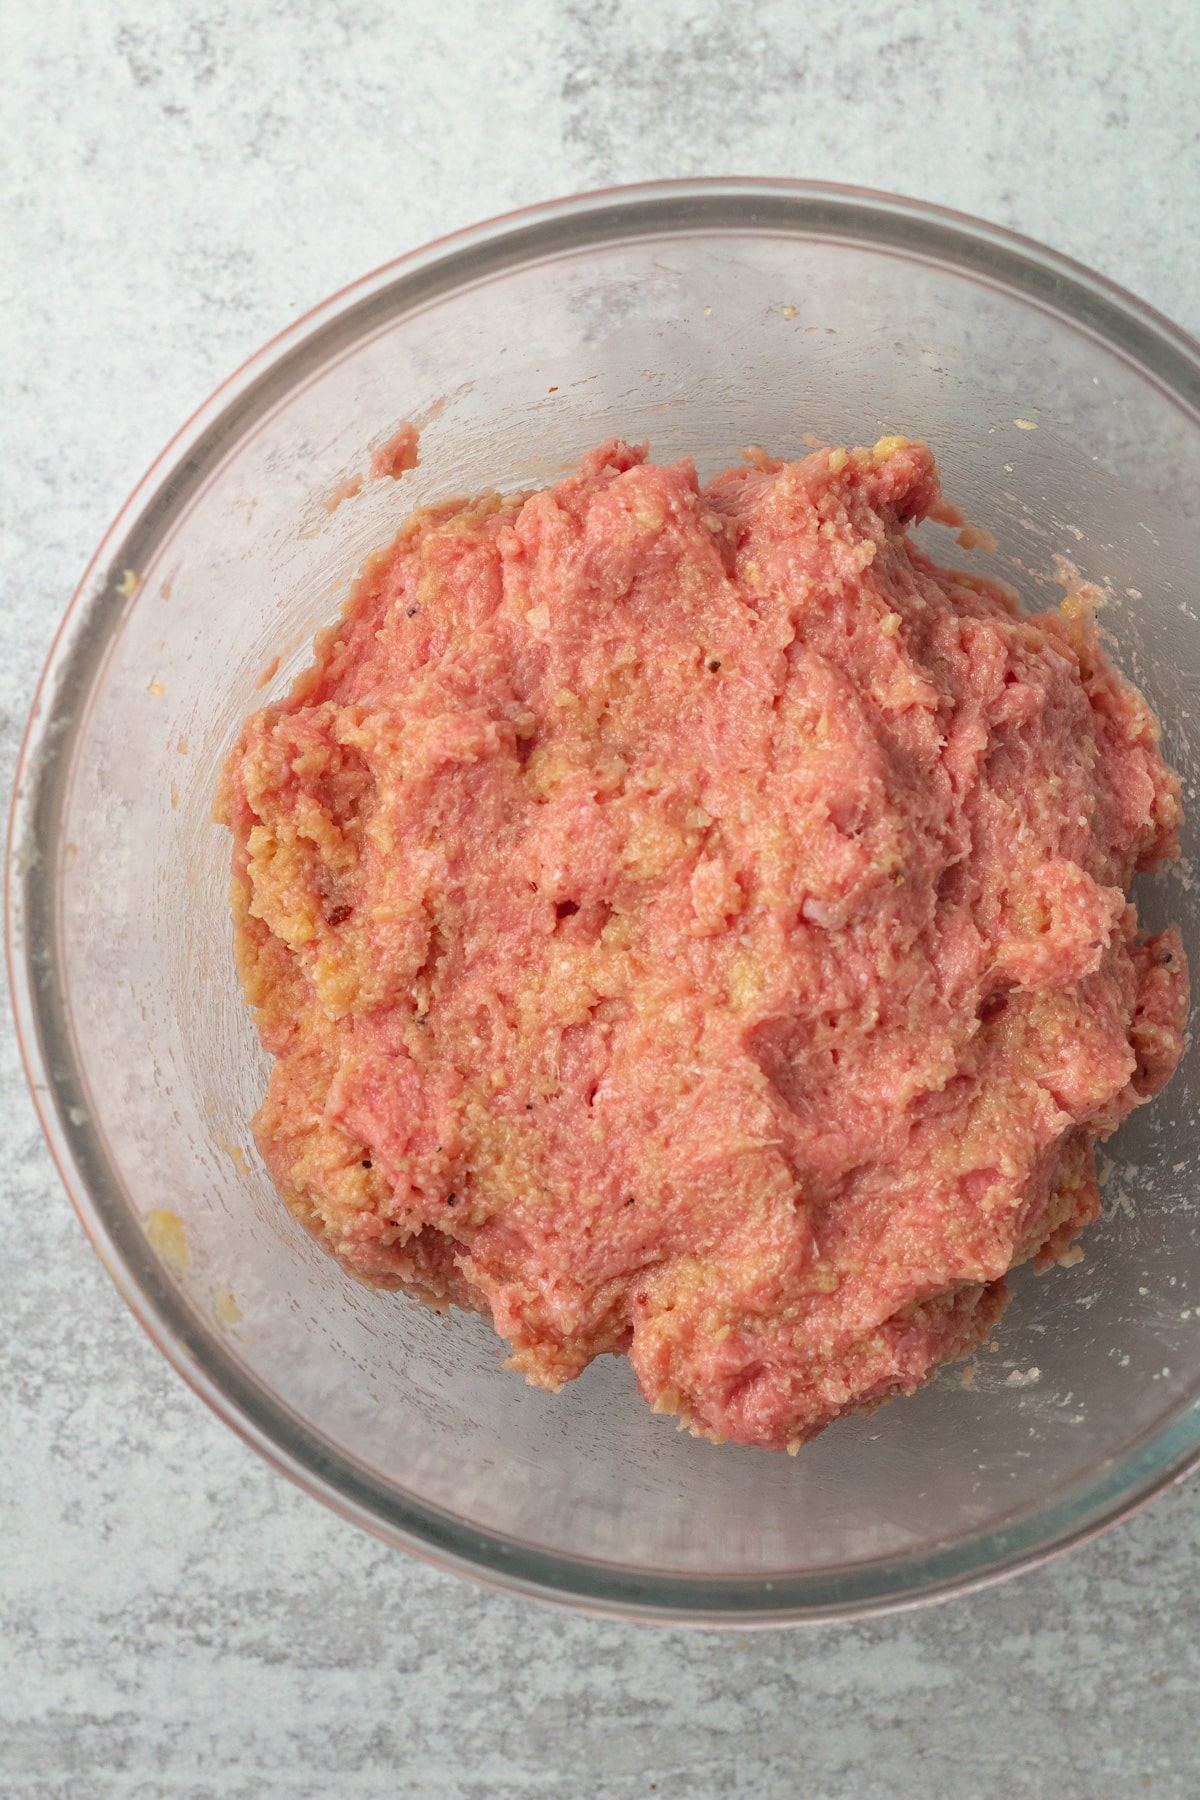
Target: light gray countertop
<point x="180" y="179"/>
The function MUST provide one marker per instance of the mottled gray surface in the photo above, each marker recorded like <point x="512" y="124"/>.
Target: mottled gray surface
<point x="179" y="180"/>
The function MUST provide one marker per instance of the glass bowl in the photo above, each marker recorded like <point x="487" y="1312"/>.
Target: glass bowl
<point x="700" y="315"/>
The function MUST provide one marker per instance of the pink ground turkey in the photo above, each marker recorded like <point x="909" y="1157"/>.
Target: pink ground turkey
<point x="690" y="924"/>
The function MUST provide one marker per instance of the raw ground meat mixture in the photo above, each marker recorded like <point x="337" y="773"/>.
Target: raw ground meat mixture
<point x="688" y="923"/>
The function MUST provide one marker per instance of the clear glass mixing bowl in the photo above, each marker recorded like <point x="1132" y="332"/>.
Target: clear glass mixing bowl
<point x="700" y="315"/>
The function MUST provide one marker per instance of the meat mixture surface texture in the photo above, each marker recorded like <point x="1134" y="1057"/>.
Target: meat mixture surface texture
<point x="688" y="923"/>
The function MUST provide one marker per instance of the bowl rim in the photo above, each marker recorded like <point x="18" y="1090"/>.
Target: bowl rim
<point x="829" y="212"/>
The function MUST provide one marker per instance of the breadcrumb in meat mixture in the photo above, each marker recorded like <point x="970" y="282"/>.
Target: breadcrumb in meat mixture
<point x="688" y="923"/>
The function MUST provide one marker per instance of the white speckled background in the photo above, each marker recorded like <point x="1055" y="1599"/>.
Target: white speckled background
<point x="179" y="180"/>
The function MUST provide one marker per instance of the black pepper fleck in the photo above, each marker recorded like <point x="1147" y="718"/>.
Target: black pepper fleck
<point x="367" y="1163"/>
<point x="714" y="665"/>
<point x="451" y="1199"/>
<point x="410" y="612"/>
